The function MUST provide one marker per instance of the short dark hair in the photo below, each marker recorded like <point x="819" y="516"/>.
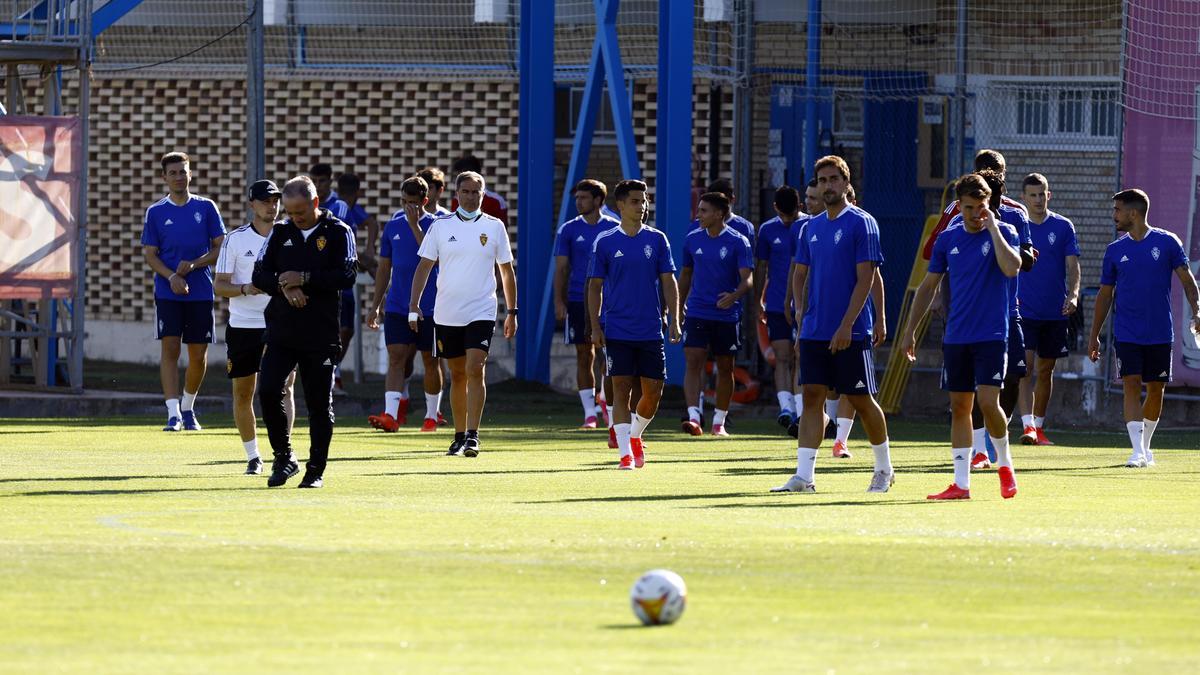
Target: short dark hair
<point x="348" y="182"/>
<point x="415" y="186"/>
<point x="989" y="159"/>
<point x="834" y="161"/>
<point x="995" y="183"/>
<point x="851" y="195"/>
<point x="787" y="199"/>
<point x="717" y="199"/>
<point x="1134" y="198"/>
<point x="621" y="192"/>
<point x="812" y="182"/>
<point x="593" y="186"/>
<point x="320" y="169"/>
<point x="1034" y="180"/>
<point x="433" y="177"/>
<point x="174" y="158"/>
<point x="467" y="162"/>
<point x="972" y="185"/>
<point x="723" y="186"/>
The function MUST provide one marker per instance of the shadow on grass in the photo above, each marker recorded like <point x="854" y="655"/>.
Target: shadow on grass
<point x="67" y="479"/>
<point x="803" y="502"/>
<point x="643" y="498"/>
<point x="625" y="626"/>
<point x="135" y="491"/>
<point x="486" y="473"/>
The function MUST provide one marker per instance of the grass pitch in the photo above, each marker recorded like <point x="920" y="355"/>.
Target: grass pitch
<point x="126" y="549"/>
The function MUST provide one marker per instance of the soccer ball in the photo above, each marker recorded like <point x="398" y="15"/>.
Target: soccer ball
<point x="658" y="597"/>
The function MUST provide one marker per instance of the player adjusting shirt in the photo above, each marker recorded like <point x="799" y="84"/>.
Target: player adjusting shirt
<point x="953" y="210"/>
<point x="238" y="253"/>
<point x="400" y="246"/>
<point x="183" y="233"/>
<point x="1141" y="273"/>
<point x="575" y="241"/>
<point x="630" y="267"/>
<point x="467" y="250"/>
<point x="979" y="302"/>
<point x="715" y="263"/>
<point x="1043" y="289"/>
<point x="1020" y="222"/>
<point x="832" y="250"/>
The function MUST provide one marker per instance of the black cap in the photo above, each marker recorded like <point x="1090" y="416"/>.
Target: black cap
<point x="263" y="190"/>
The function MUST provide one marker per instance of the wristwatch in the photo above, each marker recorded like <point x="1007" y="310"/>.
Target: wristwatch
<point x="512" y="311"/>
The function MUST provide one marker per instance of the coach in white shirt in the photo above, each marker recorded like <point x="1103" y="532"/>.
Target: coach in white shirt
<point x="244" y="334"/>
<point x="467" y="245"/>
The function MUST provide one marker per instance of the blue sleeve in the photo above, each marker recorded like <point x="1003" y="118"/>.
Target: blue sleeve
<point x="1108" y="270"/>
<point x="150" y="233"/>
<point x="1178" y="257"/>
<point x="562" y="244"/>
<point x="866" y="243"/>
<point x="598" y="265"/>
<point x="937" y="261"/>
<point x="687" y="256"/>
<point x="1072" y="240"/>
<point x="216" y="226"/>
<point x="666" y="263"/>
<point x="385" y="242"/>
<point x="802" y="257"/>
<point x="1013" y="238"/>
<point x="1026" y="235"/>
<point x="762" y="249"/>
<point x="744" y="257"/>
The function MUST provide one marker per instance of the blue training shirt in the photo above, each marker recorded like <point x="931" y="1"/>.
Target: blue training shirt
<point x="337" y="207"/>
<point x="1043" y="289"/>
<point x="630" y="267"/>
<point x="355" y="215"/>
<point x="574" y="241"/>
<point x="979" y="290"/>
<point x="183" y="233"/>
<point x="739" y="225"/>
<point x="400" y="246"/>
<point x="777" y="246"/>
<point x="715" y="263"/>
<point x="1140" y="272"/>
<point x="832" y="250"/>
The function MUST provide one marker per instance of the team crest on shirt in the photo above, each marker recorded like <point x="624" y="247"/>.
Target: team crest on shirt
<point x="837" y="237"/>
<point x="723" y="252"/>
<point x="321" y="243"/>
<point x="198" y="218"/>
<point x="986" y="248"/>
<point x="1051" y="238"/>
<point x="483" y="240"/>
<point x="648" y="251"/>
<point x="1154" y="253"/>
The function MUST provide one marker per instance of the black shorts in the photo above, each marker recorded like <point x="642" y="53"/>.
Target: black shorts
<point x="778" y="327"/>
<point x="967" y="366"/>
<point x="191" y="321"/>
<point x="397" y="332"/>
<point x="850" y="371"/>
<point x="243" y="351"/>
<point x="348" y="320"/>
<point x="1016" y="348"/>
<point x="1047" y="338"/>
<point x="452" y="342"/>
<point x="630" y="358"/>
<point x="577" y="330"/>
<point x="722" y="338"/>
<point x="1152" y="362"/>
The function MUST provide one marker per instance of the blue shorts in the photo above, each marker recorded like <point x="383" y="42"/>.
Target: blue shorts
<point x="1152" y="362"/>
<point x="397" y="332"/>
<point x="630" y="358"/>
<point x="347" y="311"/>
<point x="850" y="371"/>
<point x="723" y="338"/>
<point x="778" y="328"/>
<point x="967" y="366"/>
<point x="577" y="330"/>
<point x="191" y="320"/>
<point x="1016" y="348"/>
<point x="1047" y="338"/>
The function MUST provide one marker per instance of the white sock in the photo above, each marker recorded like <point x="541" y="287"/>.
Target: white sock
<point x="251" y="447"/>
<point x="172" y="407"/>
<point x="1039" y="422"/>
<point x="962" y="467"/>
<point x="785" y="401"/>
<point x="639" y="424"/>
<point x="694" y="414"/>
<point x="588" y="398"/>
<point x="883" y="456"/>
<point x="432" y="403"/>
<point x="391" y="402"/>
<point x="831" y="409"/>
<point x="806" y="463"/>
<point x="1136" y="432"/>
<point x="623" y="440"/>
<point x="979" y="441"/>
<point x="1027" y="421"/>
<point x="844" y="426"/>
<point x="1003" y="456"/>
<point x="1148" y="427"/>
<point x="719" y="416"/>
<point x="188" y="400"/>
<point x="798" y="404"/>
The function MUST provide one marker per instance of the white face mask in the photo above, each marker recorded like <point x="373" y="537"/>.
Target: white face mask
<point x="469" y="215"/>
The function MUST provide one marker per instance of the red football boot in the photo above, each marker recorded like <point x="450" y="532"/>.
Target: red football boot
<point x="384" y="422"/>
<point x="402" y="414"/>
<point x="1029" y="436"/>
<point x="639" y="455"/>
<point x="626" y="463"/>
<point x="1008" y="482"/>
<point x="980" y="461"/>
<point x="612" y="438"/>
<point x="691" y="428"/>
<point x="429" y="425"/>
<point x="1041" y="437"/>
<point x="952" y="492"/>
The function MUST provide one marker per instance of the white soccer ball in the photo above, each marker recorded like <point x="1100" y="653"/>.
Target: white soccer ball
<point x="658" y="597"/>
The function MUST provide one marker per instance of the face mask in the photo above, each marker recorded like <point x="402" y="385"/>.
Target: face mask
<point x="469" y="215"/>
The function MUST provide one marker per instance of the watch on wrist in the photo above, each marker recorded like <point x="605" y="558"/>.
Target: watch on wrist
<point x="512" y="311"/>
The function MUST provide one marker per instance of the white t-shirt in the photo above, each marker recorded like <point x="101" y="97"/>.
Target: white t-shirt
<point x="238" y="253"/>
<point x="467" y="252"/>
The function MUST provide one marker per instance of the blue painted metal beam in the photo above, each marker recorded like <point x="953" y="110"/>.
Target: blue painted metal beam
<point x="110" y="13"/>
<point x="618" y="94"/>
<point x="673" y="163"/>
<point x="812" y="84"/>
<point x="535" y="173"/>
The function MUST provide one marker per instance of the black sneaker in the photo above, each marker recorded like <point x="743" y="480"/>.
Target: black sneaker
<point x="794" y="429"/>
<point x="456" y="447"/>
<point x="254" y="467"/>
<point x="831" y="430"/>
<point x="471" y="447"/>
<point x="312" y="479"/>
<point x="282" y="469"/>
<point x="784" y="419"/>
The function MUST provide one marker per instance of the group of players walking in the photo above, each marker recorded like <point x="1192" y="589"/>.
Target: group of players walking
<point x="1007" y="274"/>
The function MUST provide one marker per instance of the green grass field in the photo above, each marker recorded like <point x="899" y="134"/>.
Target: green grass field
<point x="125" y="549"/>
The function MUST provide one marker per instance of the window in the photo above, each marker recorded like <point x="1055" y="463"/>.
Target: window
<point x="568" y="104"/>
<point x="1033" y="112"/>
<point x="1104" y="113"/>
<point x="1070" y="112"/>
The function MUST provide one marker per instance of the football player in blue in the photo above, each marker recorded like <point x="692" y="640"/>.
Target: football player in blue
<point x="772" y="276"/>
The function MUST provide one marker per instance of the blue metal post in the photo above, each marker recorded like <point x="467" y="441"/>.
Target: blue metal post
<point x="812" y="75"/>
<point x="673" y="162"/>
<point x="535" y="172"/>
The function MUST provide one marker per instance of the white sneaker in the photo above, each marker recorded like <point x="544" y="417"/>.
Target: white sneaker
<point x="1148" y="456"/>
<point x="1136" y="461"/>
<point x="881" y="481"/>
<point x="795" y="484"/>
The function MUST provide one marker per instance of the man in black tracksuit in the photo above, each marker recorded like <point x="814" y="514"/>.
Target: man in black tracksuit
<point x="305" y="263"/>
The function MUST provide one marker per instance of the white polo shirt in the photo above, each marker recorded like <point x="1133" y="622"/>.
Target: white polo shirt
<point x="238" y="253"/>
<point x="467" y="252"/>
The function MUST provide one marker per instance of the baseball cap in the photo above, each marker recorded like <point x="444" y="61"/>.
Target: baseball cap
<point x="263" y="189"/>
